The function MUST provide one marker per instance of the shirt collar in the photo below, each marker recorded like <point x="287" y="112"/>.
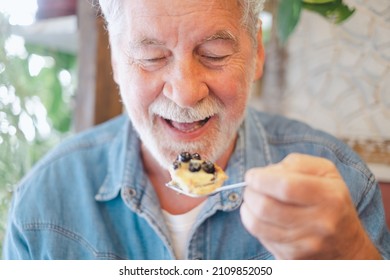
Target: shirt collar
<point x="258" y="151"/>
<point x="252" y="150"/>
<point x="123" y="151"/>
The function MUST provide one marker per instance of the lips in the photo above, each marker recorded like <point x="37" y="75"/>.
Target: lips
<point x="187" y="127"/>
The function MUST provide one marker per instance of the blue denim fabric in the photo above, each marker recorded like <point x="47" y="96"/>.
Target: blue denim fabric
<point x="90" y="198"/>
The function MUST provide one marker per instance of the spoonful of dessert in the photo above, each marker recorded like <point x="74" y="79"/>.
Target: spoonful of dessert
<point x="195" y="177"/>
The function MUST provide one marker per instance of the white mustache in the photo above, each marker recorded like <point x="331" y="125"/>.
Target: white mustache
<point x="167" y="109"/>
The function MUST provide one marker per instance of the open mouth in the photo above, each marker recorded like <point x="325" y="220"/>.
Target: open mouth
<point x="187" y="127"/>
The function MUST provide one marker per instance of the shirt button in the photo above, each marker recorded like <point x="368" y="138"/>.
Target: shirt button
<point x="132" y="192"/>
<point x="233" y="197"/>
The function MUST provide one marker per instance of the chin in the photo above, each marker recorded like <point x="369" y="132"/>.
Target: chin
<point x="212" y="146"/>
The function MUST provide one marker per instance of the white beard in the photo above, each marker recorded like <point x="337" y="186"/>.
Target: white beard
<point x="212" y="146"/>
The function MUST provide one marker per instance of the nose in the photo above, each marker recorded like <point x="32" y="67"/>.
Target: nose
<point x="184" y="84"/>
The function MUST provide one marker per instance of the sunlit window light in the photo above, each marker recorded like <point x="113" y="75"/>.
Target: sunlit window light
<point x="12" y="130"/>
<point x="20" y="12"/>
<point x="5" y="126"/>
<point x="266" y="19"/>
<point x="65" y="78"/>
<point x="4" y="123"/>
<point x="26" y="125"/>
<point x="16" y="108"/>
<point x="2" y="67"/>
<point x="36" y="63"/>
<point x="38" y="112"/>
<point x="3" y="95"/>
<point x="7" y="95"/>
<point x="266" y="24"/>
<point x="14" y="46"/>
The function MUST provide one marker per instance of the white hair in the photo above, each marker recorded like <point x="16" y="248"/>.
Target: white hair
<point x="113" y="14"/>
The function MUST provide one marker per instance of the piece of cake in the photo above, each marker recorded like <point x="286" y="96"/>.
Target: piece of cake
<point x="194" y="175"/>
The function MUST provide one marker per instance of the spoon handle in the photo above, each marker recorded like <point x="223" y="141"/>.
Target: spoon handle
<point x="229" y="187"/>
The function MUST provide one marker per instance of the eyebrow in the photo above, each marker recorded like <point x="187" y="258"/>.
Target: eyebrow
<point x="222" y="35"/>
<point x="146" y="42"/>
<point x="219" y="35"/>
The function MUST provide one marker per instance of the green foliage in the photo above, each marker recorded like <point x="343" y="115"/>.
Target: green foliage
<point x="35" y="111"/>
<point x="288" y="16"/>
<point x="290" y="10"/>
<point x="334" y="11"/>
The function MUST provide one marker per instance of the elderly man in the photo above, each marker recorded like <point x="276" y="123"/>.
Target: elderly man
<point x="185" y="70"/>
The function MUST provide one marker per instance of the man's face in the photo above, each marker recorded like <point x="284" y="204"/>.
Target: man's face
<point x="185" y="69"/>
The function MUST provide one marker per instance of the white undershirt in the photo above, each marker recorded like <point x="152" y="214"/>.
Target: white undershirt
<point x="179" y="226"/>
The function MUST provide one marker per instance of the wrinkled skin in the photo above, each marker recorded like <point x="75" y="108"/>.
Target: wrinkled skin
<point x="300" y="208"/>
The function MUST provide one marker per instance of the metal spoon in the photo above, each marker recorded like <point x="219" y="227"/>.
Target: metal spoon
<point x="176" y="188"/>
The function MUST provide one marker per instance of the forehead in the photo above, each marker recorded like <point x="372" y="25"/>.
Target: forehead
<point x="178" y="7"/>
<point x="164" y="17"/>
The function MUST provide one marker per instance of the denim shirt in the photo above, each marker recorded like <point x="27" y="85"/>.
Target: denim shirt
<point x="89" y="198"/>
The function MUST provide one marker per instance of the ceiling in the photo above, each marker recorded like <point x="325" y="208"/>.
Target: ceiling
<point x="55" y="26"/>
<point x="59" y="33"/>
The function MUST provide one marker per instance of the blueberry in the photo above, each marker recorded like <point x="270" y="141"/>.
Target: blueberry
<point x="194" y="166"/>
<point x="176" y="165"/>
<point x="184" y="157"/>
<point x="196" y="156"/>
<point x="208" y="167"/>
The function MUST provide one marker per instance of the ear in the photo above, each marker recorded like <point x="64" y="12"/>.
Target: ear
<point x="260" y="54"/>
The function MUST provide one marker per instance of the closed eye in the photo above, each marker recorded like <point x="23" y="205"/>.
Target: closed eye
<point x="153" y="64"/>
<point x="154" y="59"/>
<point x="214" y="61"/>
<point x="216" y="58"/>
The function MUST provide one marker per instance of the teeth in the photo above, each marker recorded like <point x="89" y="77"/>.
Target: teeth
<point x="188" y="127"/>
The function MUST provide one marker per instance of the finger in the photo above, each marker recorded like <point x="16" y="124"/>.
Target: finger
<point x="275" y="212"/>
<point x="308" y="164"/>
<point x="264" y="231"/>
<point x="294" y="243"/>
<point x="292" y="187"/>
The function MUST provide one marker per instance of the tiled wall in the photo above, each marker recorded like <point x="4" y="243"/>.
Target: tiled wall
<point x="337" y="78"/>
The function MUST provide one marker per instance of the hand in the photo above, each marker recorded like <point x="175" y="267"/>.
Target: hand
<point x="300" y="208"/>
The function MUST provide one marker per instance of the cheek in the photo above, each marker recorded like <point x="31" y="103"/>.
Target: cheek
<point x="232" y="89"/>
<point x="138" y="91"/>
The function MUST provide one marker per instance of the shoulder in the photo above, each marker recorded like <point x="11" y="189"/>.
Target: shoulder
<point x="93" y="138"/>
<point x="283" y="136"/>
<point x="291" y="135"/>
<point x="76" y="164"/>
<point x="281" y="129"/>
